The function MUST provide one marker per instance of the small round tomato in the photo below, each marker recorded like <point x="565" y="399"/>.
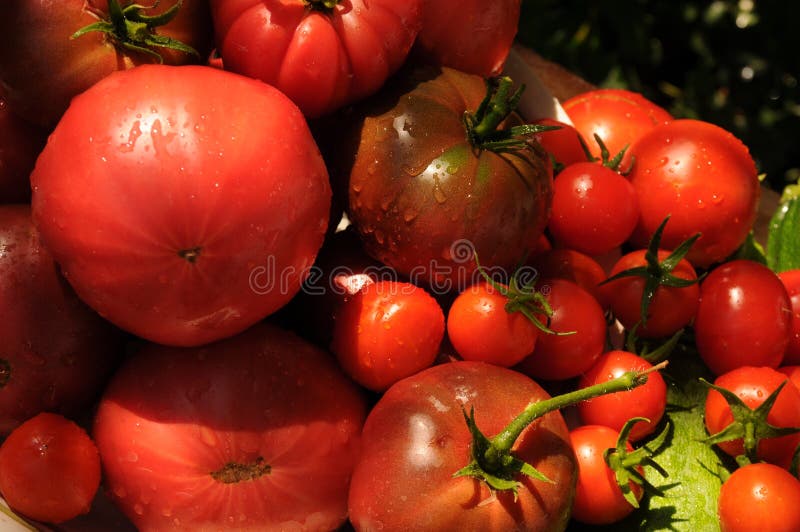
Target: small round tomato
<point x="744" y="317"/>
<point x="753" y="385"/>
<point x="49" y="469"/>
<point x="793" y="372"/>
<point x="387" y="331"/>
<point x="613" y="410"/>
<point x="791" y="280"/>
<point x="760" y="497"/>
<point x="563" y="144"/>
<point x="481" y="328"/>
<point x="572" y="265"/>
<point x="594" y="208"/>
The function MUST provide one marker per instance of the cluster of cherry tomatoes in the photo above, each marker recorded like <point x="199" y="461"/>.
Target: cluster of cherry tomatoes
<point x="331" y="278"/>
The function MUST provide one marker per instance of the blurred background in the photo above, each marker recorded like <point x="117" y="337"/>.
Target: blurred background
<point x="735" y="63"/>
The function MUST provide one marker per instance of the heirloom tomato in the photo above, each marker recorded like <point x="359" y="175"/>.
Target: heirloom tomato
<point x="185" y="203"/>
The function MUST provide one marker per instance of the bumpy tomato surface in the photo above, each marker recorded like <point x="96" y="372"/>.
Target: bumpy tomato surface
<point x="183" y="203"/>
<point x="258" y="432"/>
<point x="415" y="438"/>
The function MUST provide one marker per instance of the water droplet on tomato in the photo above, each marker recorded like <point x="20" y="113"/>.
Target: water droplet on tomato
<point x="409" y="215"/>
<point x="138" y="509"/>
<point x="438" y="195"/>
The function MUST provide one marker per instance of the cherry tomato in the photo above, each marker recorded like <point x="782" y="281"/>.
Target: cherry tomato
<point x="387" y="331"/>
<point x="594" y="209"/>
<point x="744" y="317"/>
<point x="613" y="410"/>
<point x="563" y="144"/>
<point x="760" y="497"/>
<point x="49" y="469"/>
<point x="704" y="179"/>
<point x="753" y="385"/>
<point x="793" y="372"/>
<point x="791" y="280"/>
<point x="187" y="206"/>
<point x="563" y="263"/>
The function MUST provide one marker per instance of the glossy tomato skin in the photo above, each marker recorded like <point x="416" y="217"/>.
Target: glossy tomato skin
<point x="257" y="432"/>
<point x="423" y="199"/>
<point x="183" y="203"/>
<point x="563" y="144"/>
<point x="760" y="496"/>
<point x="704" y="179"/>
<point x="415" y="438"/>
<point x="20" y="144"/>
<point x="321" y="60"/>
<point x="56" y="352"/>
<point x="744" y="317"/>
<point x="572" y="265"/>
<point x="49" y="469"/>
<point x="468" y="35"/>
<point x="753" y="385"/>
<point x="43" y="68"/>
<point x="791" y="280"/>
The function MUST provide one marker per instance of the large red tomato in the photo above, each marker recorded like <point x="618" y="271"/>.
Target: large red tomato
<point x="258" y="432"/>
<point x="322" y="53"/>
<point x="43" y="68"/>
<point x="183" y="203"/>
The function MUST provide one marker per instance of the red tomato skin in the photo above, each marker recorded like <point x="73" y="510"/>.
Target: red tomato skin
<point x="572" y="265"/>
<point x="613" y="410"/>
<point x="594" y="209"/>
<point x="744" y="317"/>
<point x="563" y="144"/>
<point x="49" y="469"/>
<point x="753" y="385"/>
<point x="793" y="372"/>
<point x="387" y="331"/>
<point x="791" y="280"/>
<point x="20" y="144"/>
<point x="760" y="496"/>
<point x="415" y="438"/>
<point x="161" y="209"/>
<point x="704" y="179"/>
<point x="321" y="61"/>
<point x="598" y="497"/>
<point x="173" y="416"/>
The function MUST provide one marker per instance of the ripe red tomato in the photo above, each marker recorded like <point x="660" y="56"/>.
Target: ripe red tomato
<point x="478" y="37"/>
<point x="49" y="469"/>
<point x="594" y="209"/>
<point x="256" y="432"/>
<point x="793" y="372"/>
<point x="387" y="331"/>
<point x="791" y="281"/>
<point x="760" y="497"/>
<point x="187" y="206"/>
<point x="613" y="410"/>
<point x="415" y="438"/>
<point x="43" y="68"/>
<point x="562" y="263"/>
<point x="753" y="385"/>
<point x="598" y="497"/>
<point x="704" y="179"/>
<point x="20" y="144"/>
<point x="563" y="144"/>
<point x="323" y="54"/>
<point x="744" y="317"/>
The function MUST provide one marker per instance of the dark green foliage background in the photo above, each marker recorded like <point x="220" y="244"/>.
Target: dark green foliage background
<point x="731" y="62"/>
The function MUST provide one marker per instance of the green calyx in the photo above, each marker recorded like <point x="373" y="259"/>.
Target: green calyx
<point x="605" y="158"/>
<point x="326" y="6"/>
<point x="625" y="463"/>
<point x="132" y="29"/>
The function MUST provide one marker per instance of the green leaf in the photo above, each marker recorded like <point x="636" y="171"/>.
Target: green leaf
<point x="783" y="241"/>
<point x="751" y="250"/>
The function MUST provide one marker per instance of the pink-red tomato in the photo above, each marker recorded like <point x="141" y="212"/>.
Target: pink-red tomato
<point x="791" y="280"/>
<point x="744" y="317"/>
<point x="321" y="56"/>
<point x="256" y="432"/>
<point x="704" y="179"/>
<point x="184" y="204"/>
<point x="759" y="497"/>
<point x="49" y="469"/>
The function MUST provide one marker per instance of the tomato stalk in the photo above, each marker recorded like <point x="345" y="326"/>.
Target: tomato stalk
<point x="326" y="6"/>
<point x="492" y="460"/>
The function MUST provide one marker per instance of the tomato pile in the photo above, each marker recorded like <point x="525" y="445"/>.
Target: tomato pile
<point x="301" y="265"/>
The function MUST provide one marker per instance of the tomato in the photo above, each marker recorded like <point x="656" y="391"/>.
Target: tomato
<point x="424" y="199"/>
<point x="563" y="263"/>
<point x="477" y="38"/>
<point x="415" y="438"/>
<point x="594" y="209"/>
<point x="56" y="352"/>
<point x="576" y="312"/>
<point x="20" y="144"/>
<point x="49" y="469"/>
<point x="387" y="331"/>
<point x="791" y="281"/>
<point x="322" y="54"/>
<point x="481" y="328"/>
<point x="185" y="207"/>
<point x="793" y="372"/>
<point x="753" y="385"/>
<point x="704" y="179"/>
<point x="257" y="432"/>
<point x="760" y="497"/>
<point x="43" y="68"/>
<point x="744" y="317"/>
<point x="613" y="410"/>
<point x="563" y="144"/>
<point x="598" y="497"/>
<point x="618" y="116"/>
